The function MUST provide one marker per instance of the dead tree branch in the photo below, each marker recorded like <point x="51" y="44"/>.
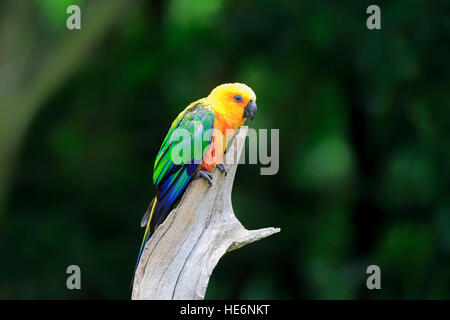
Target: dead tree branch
<point x="182" y="253"/>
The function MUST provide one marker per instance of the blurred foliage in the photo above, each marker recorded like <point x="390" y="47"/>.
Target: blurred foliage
<point x="364" y="121"/>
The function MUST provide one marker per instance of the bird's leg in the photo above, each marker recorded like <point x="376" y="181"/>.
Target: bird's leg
<point x="205" y="175"/>
<point x="222" y="168"/>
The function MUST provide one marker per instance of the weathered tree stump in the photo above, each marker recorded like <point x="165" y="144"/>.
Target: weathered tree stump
<point x="180" y="256"/>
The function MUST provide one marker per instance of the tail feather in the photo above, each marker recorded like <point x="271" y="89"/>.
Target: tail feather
<point x="146" y="216"/>
<point x="146" y="237"/>
<point x="169" y="192"/>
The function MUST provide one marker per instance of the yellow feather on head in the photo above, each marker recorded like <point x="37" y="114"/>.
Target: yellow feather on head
<point x="228" y="102"/>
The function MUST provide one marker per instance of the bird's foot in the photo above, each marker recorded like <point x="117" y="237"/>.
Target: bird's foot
<point x="205" y="175"/>
<point x="222" y="168"/>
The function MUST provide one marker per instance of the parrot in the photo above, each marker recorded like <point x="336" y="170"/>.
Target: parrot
<point x="225" y="109"/>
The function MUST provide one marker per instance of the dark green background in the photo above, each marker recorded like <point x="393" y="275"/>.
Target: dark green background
<point x="364" y="120"/>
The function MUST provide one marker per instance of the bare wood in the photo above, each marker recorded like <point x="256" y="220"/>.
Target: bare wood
<point x="179" y="258"/>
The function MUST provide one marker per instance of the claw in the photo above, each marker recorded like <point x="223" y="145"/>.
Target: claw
<point x="222" y="168"/>
<point x="205" y="175"/>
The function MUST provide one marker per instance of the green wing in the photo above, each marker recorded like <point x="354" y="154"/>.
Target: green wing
<point x="191" y="132"/>
<point x="179" y="157"/>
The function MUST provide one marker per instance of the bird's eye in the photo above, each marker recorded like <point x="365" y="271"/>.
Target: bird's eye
<point x="238" y="99"/>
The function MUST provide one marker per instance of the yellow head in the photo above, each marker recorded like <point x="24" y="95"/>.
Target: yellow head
<point x="233" y="103"/>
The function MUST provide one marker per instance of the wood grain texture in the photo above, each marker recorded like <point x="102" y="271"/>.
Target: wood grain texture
<point x="179" y="258"/>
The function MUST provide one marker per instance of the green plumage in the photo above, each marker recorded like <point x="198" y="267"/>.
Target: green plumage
<point x="191" y="123"/>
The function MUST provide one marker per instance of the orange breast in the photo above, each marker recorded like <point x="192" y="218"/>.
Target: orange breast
<point x="214" y="154"/>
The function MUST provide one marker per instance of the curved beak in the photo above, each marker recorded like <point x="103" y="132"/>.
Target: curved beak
<point x="250" y="110"/>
